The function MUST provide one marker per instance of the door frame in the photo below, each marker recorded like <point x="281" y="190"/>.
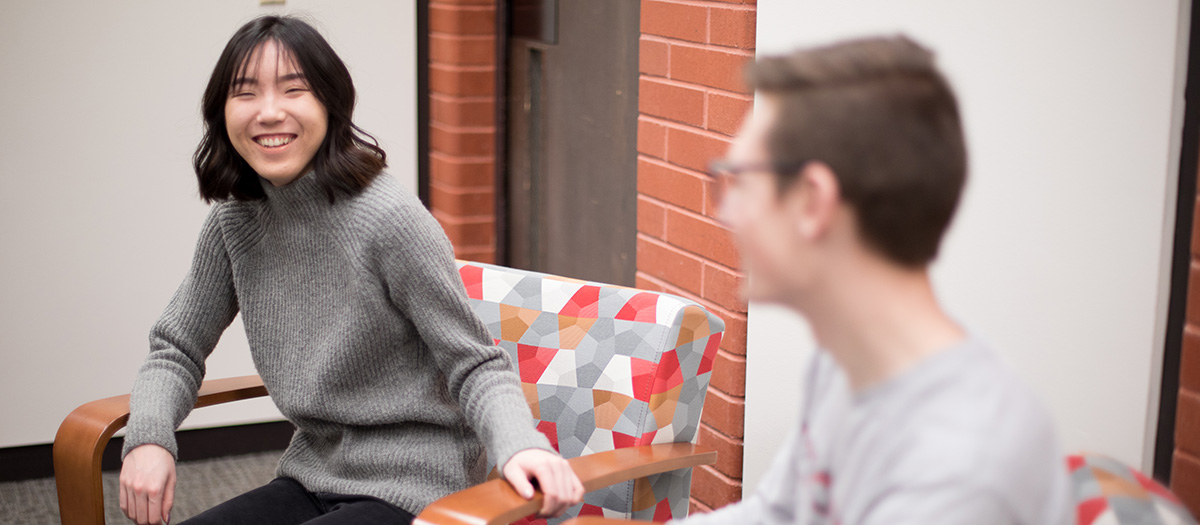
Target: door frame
<point x="1181" y="255"/>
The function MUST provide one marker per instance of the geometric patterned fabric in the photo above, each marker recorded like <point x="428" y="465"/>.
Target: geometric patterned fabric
<point x="603" y="367"/>
<point x="1109" y="493"/>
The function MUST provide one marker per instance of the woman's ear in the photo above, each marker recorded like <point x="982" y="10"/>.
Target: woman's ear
<point x="813" y="200"/>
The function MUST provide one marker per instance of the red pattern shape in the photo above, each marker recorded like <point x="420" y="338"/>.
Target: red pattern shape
<point x="591" y="510"/>
<point x="1087" y="511"/>
<point x="710" y="353"/>
<point x="1074" y="462"/>
<point x="643" y="377"/>
<point x="585" y="303"/>
<point x="472" y="277"/>
<point x="647" y="438"/>
<point x="551" y="431"/>
<point x="640" y="307"/>
<point x="533" y="361"/>
<point x="669" y="374"/>
<point x="622" y="440"/>
<point x="662" y="512"/>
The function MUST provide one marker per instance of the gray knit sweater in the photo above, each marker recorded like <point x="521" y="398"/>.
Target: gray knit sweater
<point x="359" y="325"/>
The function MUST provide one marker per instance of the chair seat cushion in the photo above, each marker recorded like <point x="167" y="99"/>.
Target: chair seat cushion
<point x="1107" y="492"/>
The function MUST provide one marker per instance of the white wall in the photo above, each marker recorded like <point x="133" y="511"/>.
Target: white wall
<point x="1059" y="256"/>
<point x="99" y="211"/>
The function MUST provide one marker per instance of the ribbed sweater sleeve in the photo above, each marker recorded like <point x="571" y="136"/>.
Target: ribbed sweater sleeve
<point x="424" y="283"/>
<point x="182" y="338"/>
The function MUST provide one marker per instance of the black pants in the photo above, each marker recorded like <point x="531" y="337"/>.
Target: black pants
<point x="285" y="502"/>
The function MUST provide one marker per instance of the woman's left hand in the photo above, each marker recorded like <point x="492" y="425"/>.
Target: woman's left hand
<point x="559" y="484"/>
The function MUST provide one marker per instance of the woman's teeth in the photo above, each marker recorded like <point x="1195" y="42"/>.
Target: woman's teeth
<point x="272" y="142"/>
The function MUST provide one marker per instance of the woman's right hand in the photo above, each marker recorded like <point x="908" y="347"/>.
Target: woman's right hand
<point x="148" y="485"/>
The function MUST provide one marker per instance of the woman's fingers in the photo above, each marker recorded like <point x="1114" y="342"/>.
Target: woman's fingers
<point x="521" y="484"/>
<point x="560" y="486"/>
<point x="148" y="484"/>
<point x="566" y="496"/>
<point x="168" y="498"/>
<point x="142" y="504"/>
<point x="122" y="500"/>
<point x="557" y="481"/>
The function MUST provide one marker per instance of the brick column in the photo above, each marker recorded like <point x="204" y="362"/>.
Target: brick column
<point x="691" y="100"/>
<point x="462" y="124"/>
<point x="1185" y="466"/>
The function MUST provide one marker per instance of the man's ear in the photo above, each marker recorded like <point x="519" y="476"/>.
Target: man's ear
<point x="813" y="200"/>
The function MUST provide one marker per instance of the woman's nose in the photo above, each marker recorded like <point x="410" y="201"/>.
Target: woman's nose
<point x="270" y="112"/>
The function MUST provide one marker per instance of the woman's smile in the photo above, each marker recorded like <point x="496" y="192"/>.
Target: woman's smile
<point x="274" y="141"/>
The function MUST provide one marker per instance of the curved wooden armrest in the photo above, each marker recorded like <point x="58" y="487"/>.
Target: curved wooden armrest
<point x="86" y="430"/>
<point x="495" y="502"/>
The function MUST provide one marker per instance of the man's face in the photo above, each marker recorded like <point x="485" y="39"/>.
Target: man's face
<point x="754" y="209"/>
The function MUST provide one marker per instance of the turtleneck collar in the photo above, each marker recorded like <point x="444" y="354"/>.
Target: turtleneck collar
<point x="303" y="192"/>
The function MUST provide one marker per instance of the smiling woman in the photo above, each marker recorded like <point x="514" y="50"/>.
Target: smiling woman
<point x="357" y="319"/>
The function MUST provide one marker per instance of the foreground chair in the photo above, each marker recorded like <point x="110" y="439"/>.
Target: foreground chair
<point x="615" y="377"/>
<point x="1108" y="492"/>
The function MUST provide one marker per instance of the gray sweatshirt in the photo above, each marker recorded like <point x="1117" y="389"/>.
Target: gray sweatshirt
<point x="957" y="439"/>
<point x="359" y="325"/>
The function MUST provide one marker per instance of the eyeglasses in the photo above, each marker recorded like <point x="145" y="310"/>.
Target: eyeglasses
<point x="724" y="173"/>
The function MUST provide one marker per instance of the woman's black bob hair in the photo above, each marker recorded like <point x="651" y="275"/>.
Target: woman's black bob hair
<point x="349" y="158"/>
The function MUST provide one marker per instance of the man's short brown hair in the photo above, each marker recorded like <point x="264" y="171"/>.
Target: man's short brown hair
<point x="882" y="117"/>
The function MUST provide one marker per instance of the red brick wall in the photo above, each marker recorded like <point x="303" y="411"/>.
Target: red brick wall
<point x="691" y="100"/>
<point x="1185" y="468"/>
<point x="462" y="124"/>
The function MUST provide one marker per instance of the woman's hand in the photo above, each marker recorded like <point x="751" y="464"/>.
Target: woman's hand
<point x="559" y="484"/>
<point x="148" y="485"/>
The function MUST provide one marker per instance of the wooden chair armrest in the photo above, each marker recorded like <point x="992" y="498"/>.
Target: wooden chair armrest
<point x="495" y="502"/>
<point x="82" y="436"/>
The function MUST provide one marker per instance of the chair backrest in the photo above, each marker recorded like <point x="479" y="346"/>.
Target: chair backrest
<point x="1108" y="492"/>
<point x="604" y="367"/>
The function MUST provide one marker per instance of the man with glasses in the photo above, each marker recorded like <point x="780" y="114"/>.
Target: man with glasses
<point x="838" y="190"/>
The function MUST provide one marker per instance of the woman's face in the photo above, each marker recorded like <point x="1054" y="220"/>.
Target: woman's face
<point x="274" y="121"/>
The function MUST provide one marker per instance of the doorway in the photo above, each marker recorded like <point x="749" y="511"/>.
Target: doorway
<point x="571" y="138"/>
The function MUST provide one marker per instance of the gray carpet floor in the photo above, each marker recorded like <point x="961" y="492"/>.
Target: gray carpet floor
<point x="200" y="485"/>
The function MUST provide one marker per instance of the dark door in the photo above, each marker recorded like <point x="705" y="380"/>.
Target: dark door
<point x="571" y="133"/>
